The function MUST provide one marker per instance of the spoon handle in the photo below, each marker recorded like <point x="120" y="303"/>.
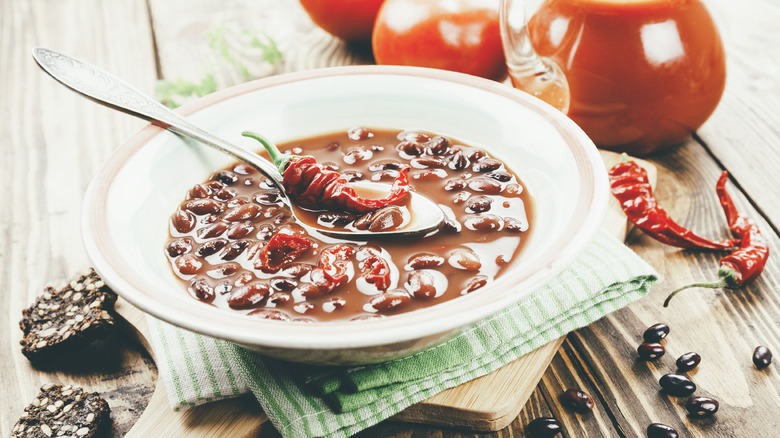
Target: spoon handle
<point x="106" y="89"/>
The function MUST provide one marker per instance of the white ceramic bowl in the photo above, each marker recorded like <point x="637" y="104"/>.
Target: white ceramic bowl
<point x="127" y="206"/>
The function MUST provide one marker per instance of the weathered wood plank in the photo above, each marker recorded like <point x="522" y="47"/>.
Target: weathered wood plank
<point x="722" y="326"/>
<point x="51" y="143"/>
<point x="743" y="133"/>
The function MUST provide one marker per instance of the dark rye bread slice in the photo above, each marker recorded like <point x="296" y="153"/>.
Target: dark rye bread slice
<point x="64" y="411"/>
<point x="66" y="319"/>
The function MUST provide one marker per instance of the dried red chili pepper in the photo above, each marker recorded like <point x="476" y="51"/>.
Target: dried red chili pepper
<point x="631" y="187"/>
<point x="334" y="262"/>
<point x="281" y="249"/>
<point x="374" y="269"/>
<point x="745" y="263"/>
<point x="315" y="188"/>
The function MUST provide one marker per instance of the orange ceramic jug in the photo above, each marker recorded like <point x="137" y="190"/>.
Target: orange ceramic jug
<point x="642" y="74"/>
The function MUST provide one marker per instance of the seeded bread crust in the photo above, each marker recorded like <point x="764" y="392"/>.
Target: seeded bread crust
<point x="65" y="412"/>
<point x="66" y="319"/>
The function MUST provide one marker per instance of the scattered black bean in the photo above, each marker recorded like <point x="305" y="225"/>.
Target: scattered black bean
<point x="543" y="427"/>
<point x="762" y="357"/>
<point x="677" y="385"/>
<point x="577" y="400"/>
<point x="226" y="177"/>
<point x="659" y="430"/>
<point x="650" y="351"/>
<point x="656" y="332"/>
<point x="688" y="361"/>
<point x="701" y="407"/>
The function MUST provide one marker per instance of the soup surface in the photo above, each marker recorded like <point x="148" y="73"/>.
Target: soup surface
<point x="236" y="245"/>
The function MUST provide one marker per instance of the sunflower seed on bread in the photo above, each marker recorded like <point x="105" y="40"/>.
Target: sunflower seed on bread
<point x="66" y="319"/>
<point x="64" y="411"/>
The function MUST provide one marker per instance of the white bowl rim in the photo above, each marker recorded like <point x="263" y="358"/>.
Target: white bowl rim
<point x="438" y="319"/>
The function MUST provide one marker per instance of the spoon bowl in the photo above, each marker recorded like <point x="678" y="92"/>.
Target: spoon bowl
<point x="106" y="89"/>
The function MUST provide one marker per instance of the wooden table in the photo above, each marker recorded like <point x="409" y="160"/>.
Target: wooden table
<point x="53" y="142"/>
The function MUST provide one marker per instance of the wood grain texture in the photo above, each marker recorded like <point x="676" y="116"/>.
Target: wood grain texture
<point x="744" y="126"/>
<point x="51" y="143"/>
<point x="722" y="326"/>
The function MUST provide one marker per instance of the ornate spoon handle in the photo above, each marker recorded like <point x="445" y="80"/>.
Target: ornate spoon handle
<point x="111" y="91"/>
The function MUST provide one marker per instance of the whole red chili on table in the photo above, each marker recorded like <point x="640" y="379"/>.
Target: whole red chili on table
<point x="745" y="263"/>
<point x="631" y="187"/>
<point x="313" y="187"/>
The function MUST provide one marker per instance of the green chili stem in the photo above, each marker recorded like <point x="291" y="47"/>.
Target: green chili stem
<point x="728" y="279"/>
<point x="279" y="159"/>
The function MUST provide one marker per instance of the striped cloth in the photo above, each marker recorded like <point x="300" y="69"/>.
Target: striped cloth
<point x="305" y="401"/>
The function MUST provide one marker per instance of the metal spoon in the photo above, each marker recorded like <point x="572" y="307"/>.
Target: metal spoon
<point x="112" y="92"/>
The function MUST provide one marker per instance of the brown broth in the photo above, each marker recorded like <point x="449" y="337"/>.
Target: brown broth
<point x="487" y="207"/>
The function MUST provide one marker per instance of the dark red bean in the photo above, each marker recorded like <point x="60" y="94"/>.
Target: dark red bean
<point x="438" y="145"/>
<point x="386" y="218"/>
<point x="482" y="222"/>
<point x="214" y="185"/>
<point x="485" y="185"/>
<point x="458" y="161"/>
<point x="243" y="169"/>
<point x="276" y="315"/>
<point x="188" y="264"/>
<point x="478" y="204"/>
<point x="387" y="165"/>
<point x="335" y="219"/>
<point x="544" y="427"/>
<point x="475" y="283"/>
<point x="462" y="258"/>
<point x="411" y="148"/>
<point x="500" y="175"/>
<point x="461" y="197"/>
<point x="309" y="290"/>
<point x="211" y="247"/>
<point x="515" y="226"/>
<point x="424" y="261"/>
<point x="244" y="279"/>
<point x="656" y="332"/>
<point x="234" y="249"/>
<point x="224" y="270"/>
<point x="390" y="300"/>
<point x="209" y="219"/>
<point x="475" y="154"/>
<point x="297" y="270"/>
<point x="577" y="400"/>
<point x="700" y="407"/>
<point x="659" y="430"/>
<point x="213" y="230"/>
<point x="417" y="137"/>
<point x="451" y="226"/>
<point x="420" y="285"/>
<point x="304" y="308"/>
<point x="178" y="247"/>
<point x="650" y="351"/>
<point x="240" y="230"/>
<point x="265" y="231"/>
<point x="677" y="385"/>
<point x="486" y="165"/>
<point x="202" y="290"/>
<point x="278" y="299"/>
<point x="199" y="191"/>
<point x="241" y="200"/>
<point x="267" y="198"/>
<point x="248" y="296"/>
<point x="357" y="134"/>
<point x="283" y="284"/>
<point x="226" y="177"/>
<point x="688" y="361"/>
<point x="455" y="184"/>
<point x="242" y="213"/>
<point x="183" y="221"/>
<point x="203" y="206"/>
<point x="355" y="154"/>
<point x="762" y="357"/>
<point x="225" y="194"/>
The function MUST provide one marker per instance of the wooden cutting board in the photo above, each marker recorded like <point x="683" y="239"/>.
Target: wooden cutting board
<point x="488" y="403"/>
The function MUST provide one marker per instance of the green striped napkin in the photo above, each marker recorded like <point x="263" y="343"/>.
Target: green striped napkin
<point x="305" y="401"/>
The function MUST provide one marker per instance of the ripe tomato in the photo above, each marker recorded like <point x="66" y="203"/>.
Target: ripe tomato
<point x="346" y="19"/>
<point x="459" y="35"/>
